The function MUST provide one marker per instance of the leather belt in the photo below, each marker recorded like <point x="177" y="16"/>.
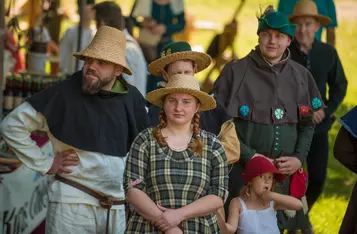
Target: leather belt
<point x="105" y="201"/>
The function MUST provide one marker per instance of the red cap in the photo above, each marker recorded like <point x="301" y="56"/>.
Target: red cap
<point x="258" y="166"/>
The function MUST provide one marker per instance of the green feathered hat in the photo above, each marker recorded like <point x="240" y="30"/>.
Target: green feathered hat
<point x="277" y="21"/>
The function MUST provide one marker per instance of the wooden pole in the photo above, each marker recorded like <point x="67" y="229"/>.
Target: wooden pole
<point x="2" y="50"/>
<point x="54" y="26"/>
<point x="80" y="28"/>
<point x="33" y="12"/>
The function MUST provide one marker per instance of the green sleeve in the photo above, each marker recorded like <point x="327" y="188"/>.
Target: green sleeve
<point x="305" y="134"/>
<point x="246" y="153"/>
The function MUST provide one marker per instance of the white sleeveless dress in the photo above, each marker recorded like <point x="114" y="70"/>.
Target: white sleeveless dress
<point x="258" y="221"/>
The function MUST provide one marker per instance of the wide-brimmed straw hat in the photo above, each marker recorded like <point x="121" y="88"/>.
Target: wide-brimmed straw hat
<point x="108" y="45"/>
<point x="178" y="51"/>
<point x="258" y="166"/>
<point x="308" y="8"/>
<point x="181" y="83"/>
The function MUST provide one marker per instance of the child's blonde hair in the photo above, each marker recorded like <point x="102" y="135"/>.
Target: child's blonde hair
<point x="245" y="191"/>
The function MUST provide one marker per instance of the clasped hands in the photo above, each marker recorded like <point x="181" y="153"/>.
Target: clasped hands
<point x="169" y="220"/>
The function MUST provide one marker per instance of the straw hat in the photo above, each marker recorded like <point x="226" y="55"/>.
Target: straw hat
<point x="180" y="83"/>
<point x="178" y="51"/>
<point x="108" y="45"/>
<point x="258" y="166"/>
<point x="309" y="8"/>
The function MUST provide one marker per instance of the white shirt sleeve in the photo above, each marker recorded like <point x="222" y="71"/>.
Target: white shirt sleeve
<point x="137" y="64"/>
<point x="16" y="129"/>
<point x="66" y="51"/>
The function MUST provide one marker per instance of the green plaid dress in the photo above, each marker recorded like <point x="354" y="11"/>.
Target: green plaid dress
<point x="175" y="179"/>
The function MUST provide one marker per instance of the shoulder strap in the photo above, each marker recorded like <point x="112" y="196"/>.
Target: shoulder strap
<point x="244" y="207"/>
<point x="271" y="204"/>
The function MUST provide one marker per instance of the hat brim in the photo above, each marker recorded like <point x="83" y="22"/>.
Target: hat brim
<point x="82" y="55"/>
<point x="323" y="20"/>
<point x="286" y="29"/>
<point x="206" y="101"/>
<point x="278" y="176"/>
<point x="201" y="59"/>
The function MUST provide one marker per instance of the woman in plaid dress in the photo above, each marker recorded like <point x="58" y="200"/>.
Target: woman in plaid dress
<point x="176" y="174"/>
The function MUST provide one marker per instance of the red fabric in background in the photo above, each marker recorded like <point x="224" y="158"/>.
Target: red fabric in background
<point x="40" y="228"/>
<point x="40" y="140"/>
<point x="11" y="46"/>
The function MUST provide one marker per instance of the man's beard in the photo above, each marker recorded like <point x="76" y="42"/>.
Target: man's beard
<point x="93" y="86"/>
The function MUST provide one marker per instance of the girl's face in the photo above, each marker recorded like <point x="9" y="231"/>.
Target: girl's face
<point x="262" y="183"/>
<point x="180" y="108"/>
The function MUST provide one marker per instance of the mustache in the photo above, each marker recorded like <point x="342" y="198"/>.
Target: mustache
<point x="92" y="72"/>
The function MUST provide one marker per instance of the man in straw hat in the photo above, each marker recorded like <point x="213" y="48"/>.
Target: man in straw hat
<point x="91" y="120"/>
<point x="325" y="7"/>
<point x="323" y="62"/>
<point x="110" y="14"/>
<point x="176" y="175"/>
<point x="272" y="100"/>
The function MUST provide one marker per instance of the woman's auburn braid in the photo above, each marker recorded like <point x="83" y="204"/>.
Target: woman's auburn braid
<point x="197" y="145"/>
<point x="157" y="130"/>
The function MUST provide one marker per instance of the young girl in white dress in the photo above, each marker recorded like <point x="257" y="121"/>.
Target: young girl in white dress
<point x="254" y="212"/>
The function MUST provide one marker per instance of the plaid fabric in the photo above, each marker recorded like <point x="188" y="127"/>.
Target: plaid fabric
<point x="175" y="179"/>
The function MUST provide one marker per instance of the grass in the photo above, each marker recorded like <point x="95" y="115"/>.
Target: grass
<point x="328" y="212"/>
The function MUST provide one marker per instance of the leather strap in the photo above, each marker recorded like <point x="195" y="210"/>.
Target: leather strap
<point x="105" y="201"/>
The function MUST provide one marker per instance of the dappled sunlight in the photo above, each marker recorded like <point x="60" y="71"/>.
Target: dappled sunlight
<point x="327" y="214"/>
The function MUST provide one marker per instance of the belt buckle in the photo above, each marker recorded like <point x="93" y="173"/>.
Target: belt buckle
<point x="108" y="203"/>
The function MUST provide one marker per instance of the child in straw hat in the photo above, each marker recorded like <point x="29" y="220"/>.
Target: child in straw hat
<point x="254" y="212"/>
<point x="176" y="175"/>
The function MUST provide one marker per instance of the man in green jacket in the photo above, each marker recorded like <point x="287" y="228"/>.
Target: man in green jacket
<point x="272" y="99"/>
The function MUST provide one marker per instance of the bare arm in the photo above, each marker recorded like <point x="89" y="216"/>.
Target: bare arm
<point x="201" y="207"/>
<point x="285" y="202"/>
<point x="221" y="221"/>
<point x="143" y="204"/>
<point x="218" y="187"/>
<point x="208" y="203"/>
<point x="235" y="209"/>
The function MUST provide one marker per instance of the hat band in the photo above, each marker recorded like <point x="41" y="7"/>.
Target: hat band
<point x="264" y="20"/>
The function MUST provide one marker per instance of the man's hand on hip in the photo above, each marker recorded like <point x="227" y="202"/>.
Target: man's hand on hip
<point x="62" y="160"/>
